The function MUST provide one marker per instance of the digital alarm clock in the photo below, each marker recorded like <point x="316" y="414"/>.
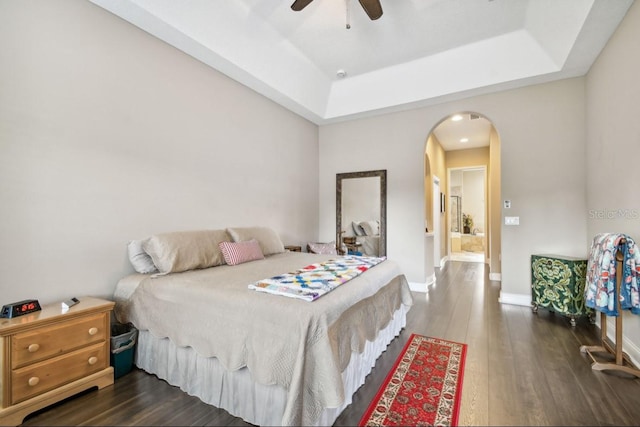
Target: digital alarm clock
<point x="20" y="308"/>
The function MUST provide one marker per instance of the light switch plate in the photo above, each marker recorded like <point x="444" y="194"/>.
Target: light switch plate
<point x="511" y="220"/>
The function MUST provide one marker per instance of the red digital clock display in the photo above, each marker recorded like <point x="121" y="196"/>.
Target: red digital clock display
<point x="19" y="308"/>
<point x="29" y="306"/>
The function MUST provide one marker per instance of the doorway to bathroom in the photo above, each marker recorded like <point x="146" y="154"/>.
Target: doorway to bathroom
<point x="464" y="143"/>
<point x="467" y="213"/>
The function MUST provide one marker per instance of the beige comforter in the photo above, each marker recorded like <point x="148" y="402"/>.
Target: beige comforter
<point x="299" y="345"/>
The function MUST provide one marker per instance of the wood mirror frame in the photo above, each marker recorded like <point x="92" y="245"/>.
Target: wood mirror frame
<point x="382" y="174"/>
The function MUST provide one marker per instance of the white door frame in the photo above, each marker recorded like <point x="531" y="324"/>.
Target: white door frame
<point x="437" y="229"/>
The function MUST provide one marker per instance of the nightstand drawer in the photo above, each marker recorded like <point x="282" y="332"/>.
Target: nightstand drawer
<point x="36" y="345"/>
<point x="40" y="377"/>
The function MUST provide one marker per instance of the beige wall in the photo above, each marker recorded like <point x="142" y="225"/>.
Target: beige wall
<point x="613" y="147"/>
<point x="435" y="167"/>
<point x="435" y="160"/>
<point x="495" y="206"/>
<point x="108" y="134"/>
<point x="542" y="138"/>
<point x="467" y="158"/>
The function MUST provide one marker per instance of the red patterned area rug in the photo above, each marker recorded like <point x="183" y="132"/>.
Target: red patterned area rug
<point x="423" y="388"/>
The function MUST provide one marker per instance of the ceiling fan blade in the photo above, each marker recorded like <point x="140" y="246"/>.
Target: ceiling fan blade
<point x="298" y="5"/>
<point x="372" y="7"/>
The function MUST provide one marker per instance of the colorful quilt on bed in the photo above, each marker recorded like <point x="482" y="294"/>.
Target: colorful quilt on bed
<point x="311" y="282"/>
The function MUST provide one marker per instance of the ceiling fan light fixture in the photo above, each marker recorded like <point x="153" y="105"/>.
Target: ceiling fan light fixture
<point x="298" y="5"/>
<point x="348" y="24"/>
<point x="372" y="8"/>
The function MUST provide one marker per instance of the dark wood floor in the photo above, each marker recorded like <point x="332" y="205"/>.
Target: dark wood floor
<point x="521" y="369"/>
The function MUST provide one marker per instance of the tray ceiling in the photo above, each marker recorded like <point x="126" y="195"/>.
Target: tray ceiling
<point x="420" y="52"/>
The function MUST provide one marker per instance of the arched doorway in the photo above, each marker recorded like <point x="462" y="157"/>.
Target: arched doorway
<point x="465" y="141"/>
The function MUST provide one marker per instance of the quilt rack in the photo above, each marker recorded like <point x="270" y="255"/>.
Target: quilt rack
<point x="622" y="360"/>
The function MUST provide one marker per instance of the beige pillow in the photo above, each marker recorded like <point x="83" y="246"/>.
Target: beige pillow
<point x="186" y="250"/>
<point x="268" y="239"/>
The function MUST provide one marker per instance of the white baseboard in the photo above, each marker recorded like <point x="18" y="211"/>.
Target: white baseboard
<point x="495" y="276"/>
<point x="515" y="299"/>
<point x="431" y="280"/>
<point x="628" y="346"/>
<point x="422" y="287"/>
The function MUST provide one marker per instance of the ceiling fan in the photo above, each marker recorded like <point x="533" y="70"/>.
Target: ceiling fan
<point x="371" y="7"/>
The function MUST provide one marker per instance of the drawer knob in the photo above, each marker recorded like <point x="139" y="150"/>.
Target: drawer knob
<point x="93" y="331"/>
<point x="33" y="381"/>
<point x="33" y="348"/>
<point x="93" y="360"/>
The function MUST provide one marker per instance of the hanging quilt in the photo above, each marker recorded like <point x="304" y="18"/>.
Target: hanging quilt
<point x="600" y="289"/>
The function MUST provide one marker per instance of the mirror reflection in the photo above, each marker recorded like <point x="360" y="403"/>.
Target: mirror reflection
<point x="361" y="202"/>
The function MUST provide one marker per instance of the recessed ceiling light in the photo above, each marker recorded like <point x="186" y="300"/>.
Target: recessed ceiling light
<point x="464" y="140"/>
<point x="456" y="118"/>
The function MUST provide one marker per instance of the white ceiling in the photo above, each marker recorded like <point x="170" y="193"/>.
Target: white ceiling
<point x="420" y="52"/>
<point x="471" y="126"/>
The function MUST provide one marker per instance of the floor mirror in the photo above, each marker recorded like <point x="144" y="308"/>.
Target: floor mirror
<point x="361" y="213"/>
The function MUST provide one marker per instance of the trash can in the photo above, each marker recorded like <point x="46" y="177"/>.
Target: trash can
<point x="123" y="345"/>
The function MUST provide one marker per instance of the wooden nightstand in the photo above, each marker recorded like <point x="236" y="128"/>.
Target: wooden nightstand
<point x="293" y="248"/>
<point x="49" y="355"/>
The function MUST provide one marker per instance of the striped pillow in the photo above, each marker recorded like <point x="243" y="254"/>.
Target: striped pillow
<point x="238" y="252"/>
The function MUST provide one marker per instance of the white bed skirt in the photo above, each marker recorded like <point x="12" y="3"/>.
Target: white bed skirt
<point x="205" y="378"/>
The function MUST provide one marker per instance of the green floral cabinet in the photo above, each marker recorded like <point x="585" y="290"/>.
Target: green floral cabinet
<point x="557" y="284"/>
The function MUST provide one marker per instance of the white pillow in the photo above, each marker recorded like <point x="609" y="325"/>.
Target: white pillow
<point x="357" y="229"/>
<point x="140" y="260"/>
<point x="371" y="228"/>
<point x="267" y="238"/>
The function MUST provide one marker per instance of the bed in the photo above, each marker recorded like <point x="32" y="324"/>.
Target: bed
<point x="268" y="359"/>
